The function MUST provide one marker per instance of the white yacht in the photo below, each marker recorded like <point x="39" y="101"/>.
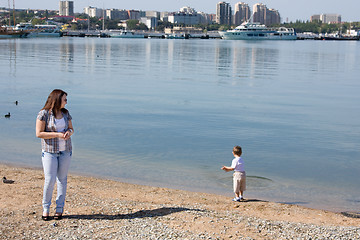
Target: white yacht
<point x="257" y="31"/>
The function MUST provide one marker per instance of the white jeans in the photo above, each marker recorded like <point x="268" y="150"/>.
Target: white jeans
<point x="56" y="166"/>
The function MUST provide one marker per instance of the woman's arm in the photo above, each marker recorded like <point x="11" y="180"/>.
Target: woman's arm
<point x="40" y="131"/>
<point x="69" y="132"/>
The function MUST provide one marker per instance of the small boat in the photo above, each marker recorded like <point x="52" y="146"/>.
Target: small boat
<point x="338" y="37"/>
<point x="175" y="36"/>
<point x="124" y="34"/>
<point x="9" y="32"/>
<point x="257" y="31"/>
<point x="40" y="30"/>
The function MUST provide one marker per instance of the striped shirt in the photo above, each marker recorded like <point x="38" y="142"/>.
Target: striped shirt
<point x="52" y="145"/>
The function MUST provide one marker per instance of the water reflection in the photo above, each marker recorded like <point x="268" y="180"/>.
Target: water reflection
<point x="67" y="55"/>
<point x="246" y="60"/>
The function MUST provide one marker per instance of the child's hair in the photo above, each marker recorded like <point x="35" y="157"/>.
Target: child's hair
<point x="237" y="150"/>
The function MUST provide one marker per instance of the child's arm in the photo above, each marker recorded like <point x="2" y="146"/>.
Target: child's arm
<point x="227" y="169"/>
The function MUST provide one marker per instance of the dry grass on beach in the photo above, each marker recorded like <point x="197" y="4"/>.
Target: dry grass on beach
<point x="104" y="209"/>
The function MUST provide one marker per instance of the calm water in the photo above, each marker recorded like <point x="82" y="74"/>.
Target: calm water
<point x="168" y="112"/>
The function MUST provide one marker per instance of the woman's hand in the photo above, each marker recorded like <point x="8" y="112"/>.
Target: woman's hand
<point x="67" y="134"/>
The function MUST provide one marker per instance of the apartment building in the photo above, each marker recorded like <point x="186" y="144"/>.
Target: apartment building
<point x="242" y="13"/>
<point x="66" y="8"/>
<point x="94" y="12"/>
<point x="263" y="15"/>
<point x="223" y="13"/>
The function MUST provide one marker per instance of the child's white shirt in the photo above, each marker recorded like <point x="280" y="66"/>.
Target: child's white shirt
<point x="238" y="164"/>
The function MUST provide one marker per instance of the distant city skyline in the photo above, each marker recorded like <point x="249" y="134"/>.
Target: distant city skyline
<point x="289" y="10"/>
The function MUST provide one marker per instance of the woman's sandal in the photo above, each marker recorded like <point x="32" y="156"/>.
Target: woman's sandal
<point x="58" y="216"/>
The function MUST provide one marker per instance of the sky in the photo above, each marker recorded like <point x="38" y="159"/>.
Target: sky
<point x="289" y="10"/>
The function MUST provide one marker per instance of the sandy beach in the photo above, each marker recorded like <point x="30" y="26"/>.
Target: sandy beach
<point x="104" y="209"/>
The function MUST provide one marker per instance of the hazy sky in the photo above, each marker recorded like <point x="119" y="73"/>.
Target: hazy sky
<point x="288" y="9"/>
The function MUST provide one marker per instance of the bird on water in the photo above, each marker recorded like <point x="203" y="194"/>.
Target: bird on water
<point x="7" y="115"/>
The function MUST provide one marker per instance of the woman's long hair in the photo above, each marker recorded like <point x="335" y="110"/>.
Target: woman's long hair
<point x="53" y="102"/>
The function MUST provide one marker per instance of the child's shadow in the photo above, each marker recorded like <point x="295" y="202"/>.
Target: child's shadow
<point x="139" y="214"/>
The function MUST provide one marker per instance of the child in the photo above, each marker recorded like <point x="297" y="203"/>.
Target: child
<point x="239" y="177"/>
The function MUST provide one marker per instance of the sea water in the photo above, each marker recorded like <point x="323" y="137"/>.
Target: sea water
<point x="167" y="113"/>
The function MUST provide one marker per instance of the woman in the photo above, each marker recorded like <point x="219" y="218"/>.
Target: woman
<point x="54" y="127"/>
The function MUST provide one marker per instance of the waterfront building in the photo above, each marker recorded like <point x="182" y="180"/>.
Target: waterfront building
<point x="315" y="18"/>
<point x="187" y="10"/>
<point x="134" y="14"/>
<point x="183" y="18"/>
<point x="330" y="18"/>
<point x="223" y="13"/>
<point x="204" y="18"/>
<point x="66" y="8"/>
<point x="117" y="14"/>
<point x="164" y="16"/>
<point x="186" y="15"/>
<point x="326" y="18"/>
<point x="263" y="15"/>
<point x="94" y="12"/>
<point x="272" y="17"/>
<point x="242" y="13"/>
<point x="150" y="22"/>
<point x="154" y="14"/>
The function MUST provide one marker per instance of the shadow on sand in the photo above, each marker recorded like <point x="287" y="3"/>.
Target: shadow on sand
<point x="252" y="200"/>
<point x="139" y="214"/>
<point x="351" y="214"/>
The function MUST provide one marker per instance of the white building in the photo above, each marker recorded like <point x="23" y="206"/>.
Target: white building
<point x="154" y="14"/>
<point x="66" y="8"/>
<point x="183" y="18"/>
<point x="326" y="18"/>
<point x="150" y="22"/>
<point x="186" y="15"/>
<point x="330" y="18"/>
<point x="94" y="12"/>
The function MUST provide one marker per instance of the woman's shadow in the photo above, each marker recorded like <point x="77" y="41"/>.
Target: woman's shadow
<point x="139" y="214"/>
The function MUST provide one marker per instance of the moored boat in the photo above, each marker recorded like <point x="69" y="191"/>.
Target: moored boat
<point x="8" y="32"/>
<point x="257" y="31"/>
<point x="124" y="34"/>
<point x="40" y="30"/>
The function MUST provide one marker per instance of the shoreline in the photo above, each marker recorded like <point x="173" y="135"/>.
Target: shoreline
<point x="100" y="208"/>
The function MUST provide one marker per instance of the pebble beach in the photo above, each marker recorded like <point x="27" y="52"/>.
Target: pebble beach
<point x="104" y="209"/>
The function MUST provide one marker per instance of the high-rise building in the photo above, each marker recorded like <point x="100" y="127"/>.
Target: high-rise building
<point x="241" y="13"/>
<point x="330" y="18"/>
<point x="272" y="17"/>
<point x="314" y="18"/>
<point x="223" y="13"/>
<point x="134" y="14"/>
<point x="66" y="8"/>
<point x="263" y="15"/>
<point x="93" y="12"/>
<point x="184" y="18"/>
<point x="116" y="14"/>
<point x="259" y="13"/>
<point x="326" y="18"/>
